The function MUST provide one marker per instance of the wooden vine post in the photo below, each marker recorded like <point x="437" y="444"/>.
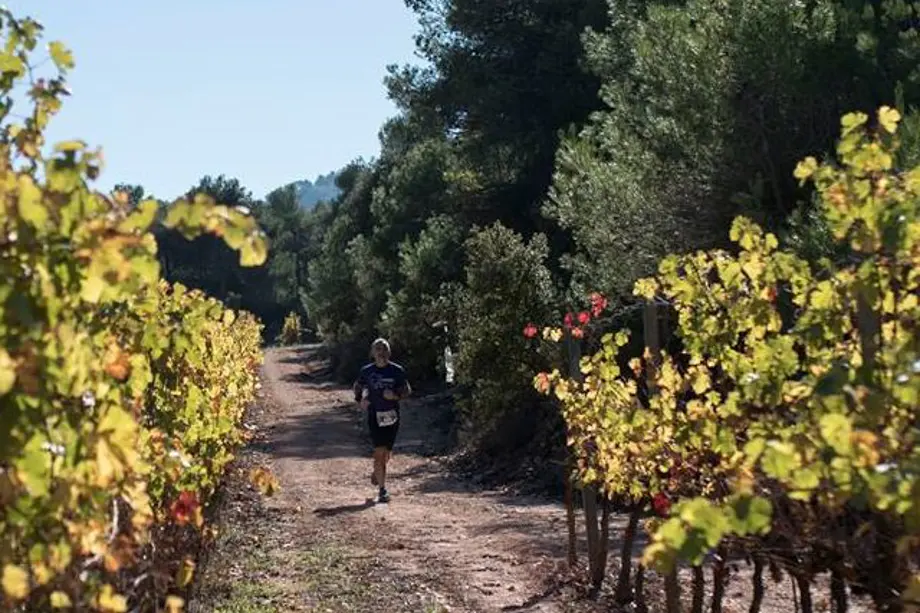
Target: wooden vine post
<point x="569" y="491"/>
<point x="652" y="353"/>
<point x="624" y="589"/>
<point x="889" y="568"/>
<point x="596" y="522"/>
<point x="569" y="500"/>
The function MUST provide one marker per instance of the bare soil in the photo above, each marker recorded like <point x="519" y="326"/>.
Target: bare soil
<point x="442" y="544"/>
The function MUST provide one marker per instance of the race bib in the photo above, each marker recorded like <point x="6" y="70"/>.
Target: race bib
<point x="387" y="418"/>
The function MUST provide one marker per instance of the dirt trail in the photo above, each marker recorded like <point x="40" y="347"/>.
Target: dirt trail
<point x="470" y="539"/>
<point x="442" y="544"/>
<point x="457" y="547"/>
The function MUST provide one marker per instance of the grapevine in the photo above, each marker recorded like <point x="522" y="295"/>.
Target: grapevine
<point x="787" y="422"/>
<point x="122" y="397"/>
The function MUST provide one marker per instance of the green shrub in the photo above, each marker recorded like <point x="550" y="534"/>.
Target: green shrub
<point x="507" y="286"/>
<point x="291" y="331"/>
<point x="425" y="266"/>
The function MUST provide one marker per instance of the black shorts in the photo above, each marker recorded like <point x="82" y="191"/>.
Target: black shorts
<point x="382" y="436"/>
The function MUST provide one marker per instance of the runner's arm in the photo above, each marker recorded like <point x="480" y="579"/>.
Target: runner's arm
<point x="358" y="387"/>
<point x="404" y="390"/>
<point x="401" y="390"/>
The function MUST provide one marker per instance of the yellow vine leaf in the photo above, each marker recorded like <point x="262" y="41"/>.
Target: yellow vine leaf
<point x="7" y="372"/>
<point x="11" y="63"/>
<point x="110" y="601"/>
<point x="60" y="600"/>
<point x="806" y="168"/>
<point x="186" y="572"/>
<point x="645" y="288"/>
<point x="70" y="146"/>
<point x="263" y="480"/>
<point x="31" y="207"/>
<point x="61" y="55"/>
<point x="15" y="581"/>
<point x="888" y="118"/>
<point x="853" y="121"/>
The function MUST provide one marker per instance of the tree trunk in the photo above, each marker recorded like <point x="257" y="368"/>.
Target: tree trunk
<point x="804" y="593"/>
<point x="589" y="494"/>
<point x="589" y="499"/>
<point x="869" y="327"/>
<point x="672" y="591"/>
<point x="758" y="587"/>
<point x="888" y="569"/>
<point x="719" y="577"/>
<point x="641" y="607"/>
<point x="839" y="592"/>
<point x="569" y="496"/>
<point x="699" y="588"/>
<point x="624" y="591"/>
<point x="600" y="564"/>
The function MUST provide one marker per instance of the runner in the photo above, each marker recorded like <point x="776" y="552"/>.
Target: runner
<point x="379" y="388"/>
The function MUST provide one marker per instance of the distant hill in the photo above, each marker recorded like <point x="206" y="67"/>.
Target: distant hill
<point x="311" y="192"/>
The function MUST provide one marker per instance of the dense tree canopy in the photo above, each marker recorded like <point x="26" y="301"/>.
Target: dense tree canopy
<point x="598" y="135"/>
<point x="708" y="108"/>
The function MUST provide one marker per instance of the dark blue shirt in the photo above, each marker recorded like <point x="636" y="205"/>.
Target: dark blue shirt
<point x="377" y="379"/>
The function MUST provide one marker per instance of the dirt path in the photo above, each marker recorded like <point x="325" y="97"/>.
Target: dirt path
<point x="442" y="544"/>
<point x="453" y="546"/>
<point x="469" y="539"/>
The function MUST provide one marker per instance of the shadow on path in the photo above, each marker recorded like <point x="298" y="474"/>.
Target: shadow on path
<point x="329" y="434"/>
<point x="344" y="509"/>
<point x="314" y="382"/>
<point x="301" y="354"/>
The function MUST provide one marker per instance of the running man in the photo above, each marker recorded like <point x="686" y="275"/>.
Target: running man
<point x="379" y="388"/>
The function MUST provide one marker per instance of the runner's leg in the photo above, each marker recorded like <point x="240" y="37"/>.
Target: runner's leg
<point x="384" y="449"/>
<point x="380" y="466"/>
<point x="374" y="431"/>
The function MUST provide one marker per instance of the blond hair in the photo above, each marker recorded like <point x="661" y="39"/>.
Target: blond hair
<point x="381" y="342"/>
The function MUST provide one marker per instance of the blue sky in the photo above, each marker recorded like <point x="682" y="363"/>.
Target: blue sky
<point x="268" y="91"/>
